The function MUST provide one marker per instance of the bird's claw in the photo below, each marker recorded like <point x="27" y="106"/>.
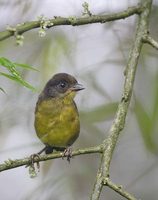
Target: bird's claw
<point x="67" y="153"/>
<point x="32" y="161"/>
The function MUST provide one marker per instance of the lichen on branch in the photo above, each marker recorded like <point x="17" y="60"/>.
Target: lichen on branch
<point x="58" y="21"/>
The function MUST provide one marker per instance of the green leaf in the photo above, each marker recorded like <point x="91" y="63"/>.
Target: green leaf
<point x="26" y="66"/>
<point x="5" y="62"/>
<point x="20" y="81"/>
<point x="100" y="113"/>
<point x="14" y="74"/>
<point x="145" y="125"/>
<point x="27" y="85"/>
<point x="10" y="66"/>
<point x="9" y="76"/>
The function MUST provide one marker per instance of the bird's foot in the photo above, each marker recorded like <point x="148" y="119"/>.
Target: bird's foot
<point x="34" y="156"/>
<point x="32" y="160"/>
<point x="32" y="170"/>
<point x="67" y="153"/>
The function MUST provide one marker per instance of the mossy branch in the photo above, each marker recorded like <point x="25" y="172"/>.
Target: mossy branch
<point x="119" y="189"/>
<point x="119" y="121"/>
<point x="148" y="39"/>
<point x="10" y="164"/>
<point x="74" y="21"/>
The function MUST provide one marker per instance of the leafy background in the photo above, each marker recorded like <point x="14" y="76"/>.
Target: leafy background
<point x="96" y="55"/>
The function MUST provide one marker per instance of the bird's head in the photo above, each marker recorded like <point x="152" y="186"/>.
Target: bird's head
<point x="61" y="85"/>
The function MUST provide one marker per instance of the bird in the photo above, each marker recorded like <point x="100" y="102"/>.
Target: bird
<point x="57" y="122"/>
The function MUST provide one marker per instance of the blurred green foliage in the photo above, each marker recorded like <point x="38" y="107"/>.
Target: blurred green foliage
<point x="100" y="113"/>
<point x="147" y="121"/>
<point x="53" y="49"/>
<point x="14" y="74"/>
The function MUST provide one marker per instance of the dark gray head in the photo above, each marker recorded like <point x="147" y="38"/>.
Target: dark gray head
<point x="60" y="84"/>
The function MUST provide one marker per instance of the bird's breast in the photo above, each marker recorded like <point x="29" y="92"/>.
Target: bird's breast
<point x="57" y="122"/>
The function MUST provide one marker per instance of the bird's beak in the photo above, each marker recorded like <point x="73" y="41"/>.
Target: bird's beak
<point x="77" y="87"/>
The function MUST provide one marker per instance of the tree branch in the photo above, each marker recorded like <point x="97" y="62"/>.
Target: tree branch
<point x="119" y="121"/>
<point x="10" y="164"/>
<point x="74" y="21"/>
<point x="119" y="190"/>
<point x="148" y="39"/>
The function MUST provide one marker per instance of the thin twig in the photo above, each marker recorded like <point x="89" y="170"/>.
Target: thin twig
<point x="148" y="39"/>
<point x="119" y="189"/>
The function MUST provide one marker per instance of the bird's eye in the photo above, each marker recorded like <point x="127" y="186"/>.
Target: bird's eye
<point x="62" y="84"/>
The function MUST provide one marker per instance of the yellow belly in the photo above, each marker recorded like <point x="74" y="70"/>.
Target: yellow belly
<point x="57" y="122"/>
